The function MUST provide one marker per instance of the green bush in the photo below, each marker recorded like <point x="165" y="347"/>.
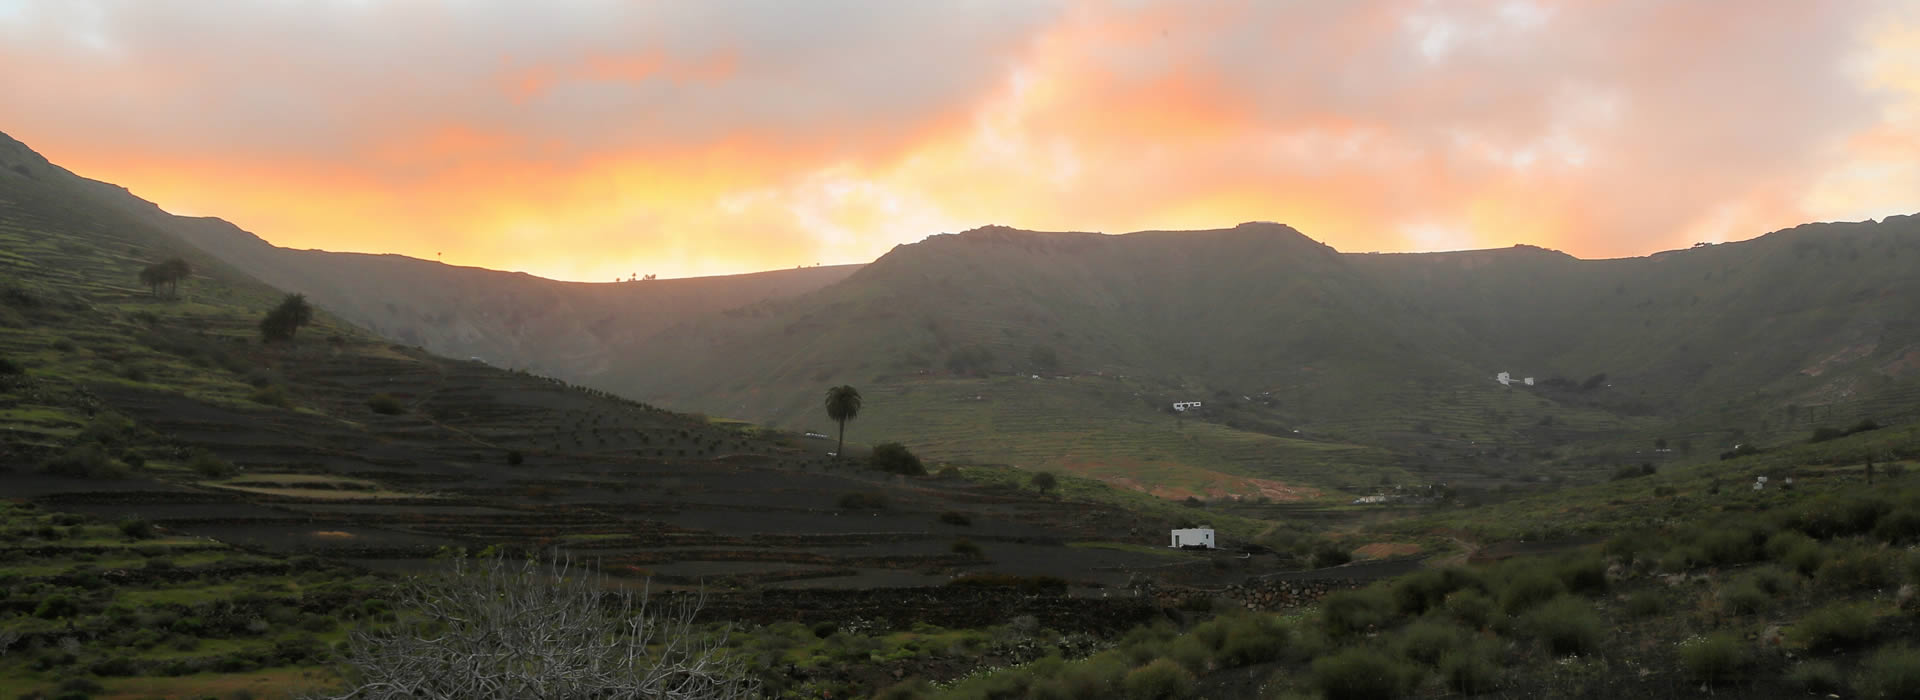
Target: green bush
<point x="1901" y="527"/>
<point x="1585" y="575"/>
<point x="386" y="405"/>
<point x="1471" y="670"/>
<point x="1471" y="607"/>
<point x="894" y="458"/>
<point x="136" y="528"/>
<point x="1730" y="545"/>
<point x="1892" y="673"/>
<point x="1814" y="677"/>
<point x="1858" y="569"/>
<point x="1834" y="627"/>
<point x="1528" y="586"/>
<point x="1095" y="678"/>
<point x="514" y="458"/>
<point x="1328" y="554"/>
<point x="210" y="466"/>
<point x="1416" y="593"/>
<point x="1567" y="625"/>
<point x="1255" y="639"/>
<point x="1795" y="550"/>
<point x="87" y="461"/>
<point x="1191" y="652"/>
<point x="956" y="518"/>
<point x="1355" y="612"/>
<point x="1426" y="641"/>
<point x="1161" y="680"/>
<point x="1715" y="658"/>
<point x="966" y="548"/>
<point x="271" y="395"/>
<point x="56" y="606"/>
<point x="9" y="368"/>
<point x="1363" y="674"/>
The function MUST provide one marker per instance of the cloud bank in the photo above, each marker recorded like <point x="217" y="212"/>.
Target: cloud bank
<point x="600" y="138"/>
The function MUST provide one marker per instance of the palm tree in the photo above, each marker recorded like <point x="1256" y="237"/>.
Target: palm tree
<point x="176" y="269"/>
<point x="153" y="276"/>
<point x="286" y="319"/>
<point x="843" y="403"/>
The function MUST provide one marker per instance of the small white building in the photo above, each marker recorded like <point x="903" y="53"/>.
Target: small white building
<point x="1504" y="378"/>
<point x="1191" y="537"/>
<point x="1184" y="405"/>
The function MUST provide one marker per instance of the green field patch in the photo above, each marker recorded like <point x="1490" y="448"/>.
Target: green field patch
<point x="1129" y="547"/>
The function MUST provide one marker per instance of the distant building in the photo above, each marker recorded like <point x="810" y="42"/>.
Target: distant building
<point x="1369" y="500"/>
<point x="1504" y="378"/>
<point x="1193" y="537"/>
<point x="1184" y="405"/>
<point x="1528" y="381"/>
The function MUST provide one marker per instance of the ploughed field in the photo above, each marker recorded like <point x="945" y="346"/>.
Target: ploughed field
<point x="645" y="492"/>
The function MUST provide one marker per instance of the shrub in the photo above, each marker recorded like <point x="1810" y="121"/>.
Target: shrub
<point x="1567" y="625"/>
<point x="1714" y="658"/>
<point x="1426" y="641"/>
<point x="514" y="458"/>
<point x="136" y="528"/>
<point x="1796" y="551"/>
<point x="1362" y="674"/>
<point x="1472" y="669"/>
<point x="1857" y="569"/>
<point x="1900" y="527"/>
<point x="1814" y="677"/>
<point x="1416" y="593"/>
<point x="1834" y="627"/>
<point x="85" y="461"/>
<point x="386" y="405"/>
<point x="955" y="518"/>
<point x="9" y="368"/>
<point x="271" y="395"/>
<point x="1161" y="680"/>
<point x="894" y="458"/>
<point x="1045" y="482"/>
<point x="1586" y="575"/>
<point x="863" y="501"/>
<point x="1825" y="433"/>
<point x="1328" y="554"/>
<point x="1354" y="612"/>
<point x="1471" y="607"/>
<point x="1528" y="587"/>
<point x="1892" y="673"/>
<point x="1253" y="640"/>
<point x="1728" y="545"/>
<point x="211" y="466"/>
<point x="968" y="549"/>
<point x="56" y="606"/>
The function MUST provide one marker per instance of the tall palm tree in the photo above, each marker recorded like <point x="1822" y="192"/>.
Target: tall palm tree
<point x="843" y="403"/>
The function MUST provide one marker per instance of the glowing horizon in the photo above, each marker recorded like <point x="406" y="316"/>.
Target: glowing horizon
<point x="605" y="139"/>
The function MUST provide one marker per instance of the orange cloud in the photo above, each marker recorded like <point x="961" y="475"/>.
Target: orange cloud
<point x="684" y="140"/>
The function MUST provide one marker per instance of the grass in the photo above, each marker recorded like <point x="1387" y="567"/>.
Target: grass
<point x="1130" y="547"/>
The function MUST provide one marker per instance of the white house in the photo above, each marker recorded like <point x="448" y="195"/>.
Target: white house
<point x="1528" y="381"/>
<point x="1184" y="405"/>
<point x="1504" y="378"/>
<point x="1190" y="537"/>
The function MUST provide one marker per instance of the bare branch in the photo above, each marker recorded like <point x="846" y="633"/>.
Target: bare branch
<point x="540" y="629"/>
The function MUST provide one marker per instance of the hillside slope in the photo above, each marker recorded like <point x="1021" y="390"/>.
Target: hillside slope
<point x="1317" y="368"/>
<point x="564" y="329"/>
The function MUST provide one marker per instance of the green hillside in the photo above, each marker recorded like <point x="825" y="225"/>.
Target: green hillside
<point x="1318" y="370"/>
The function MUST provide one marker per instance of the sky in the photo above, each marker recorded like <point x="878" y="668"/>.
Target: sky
<point x="597" y="139"/>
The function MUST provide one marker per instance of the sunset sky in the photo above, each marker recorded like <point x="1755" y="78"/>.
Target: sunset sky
<point x="600" y="138"/>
